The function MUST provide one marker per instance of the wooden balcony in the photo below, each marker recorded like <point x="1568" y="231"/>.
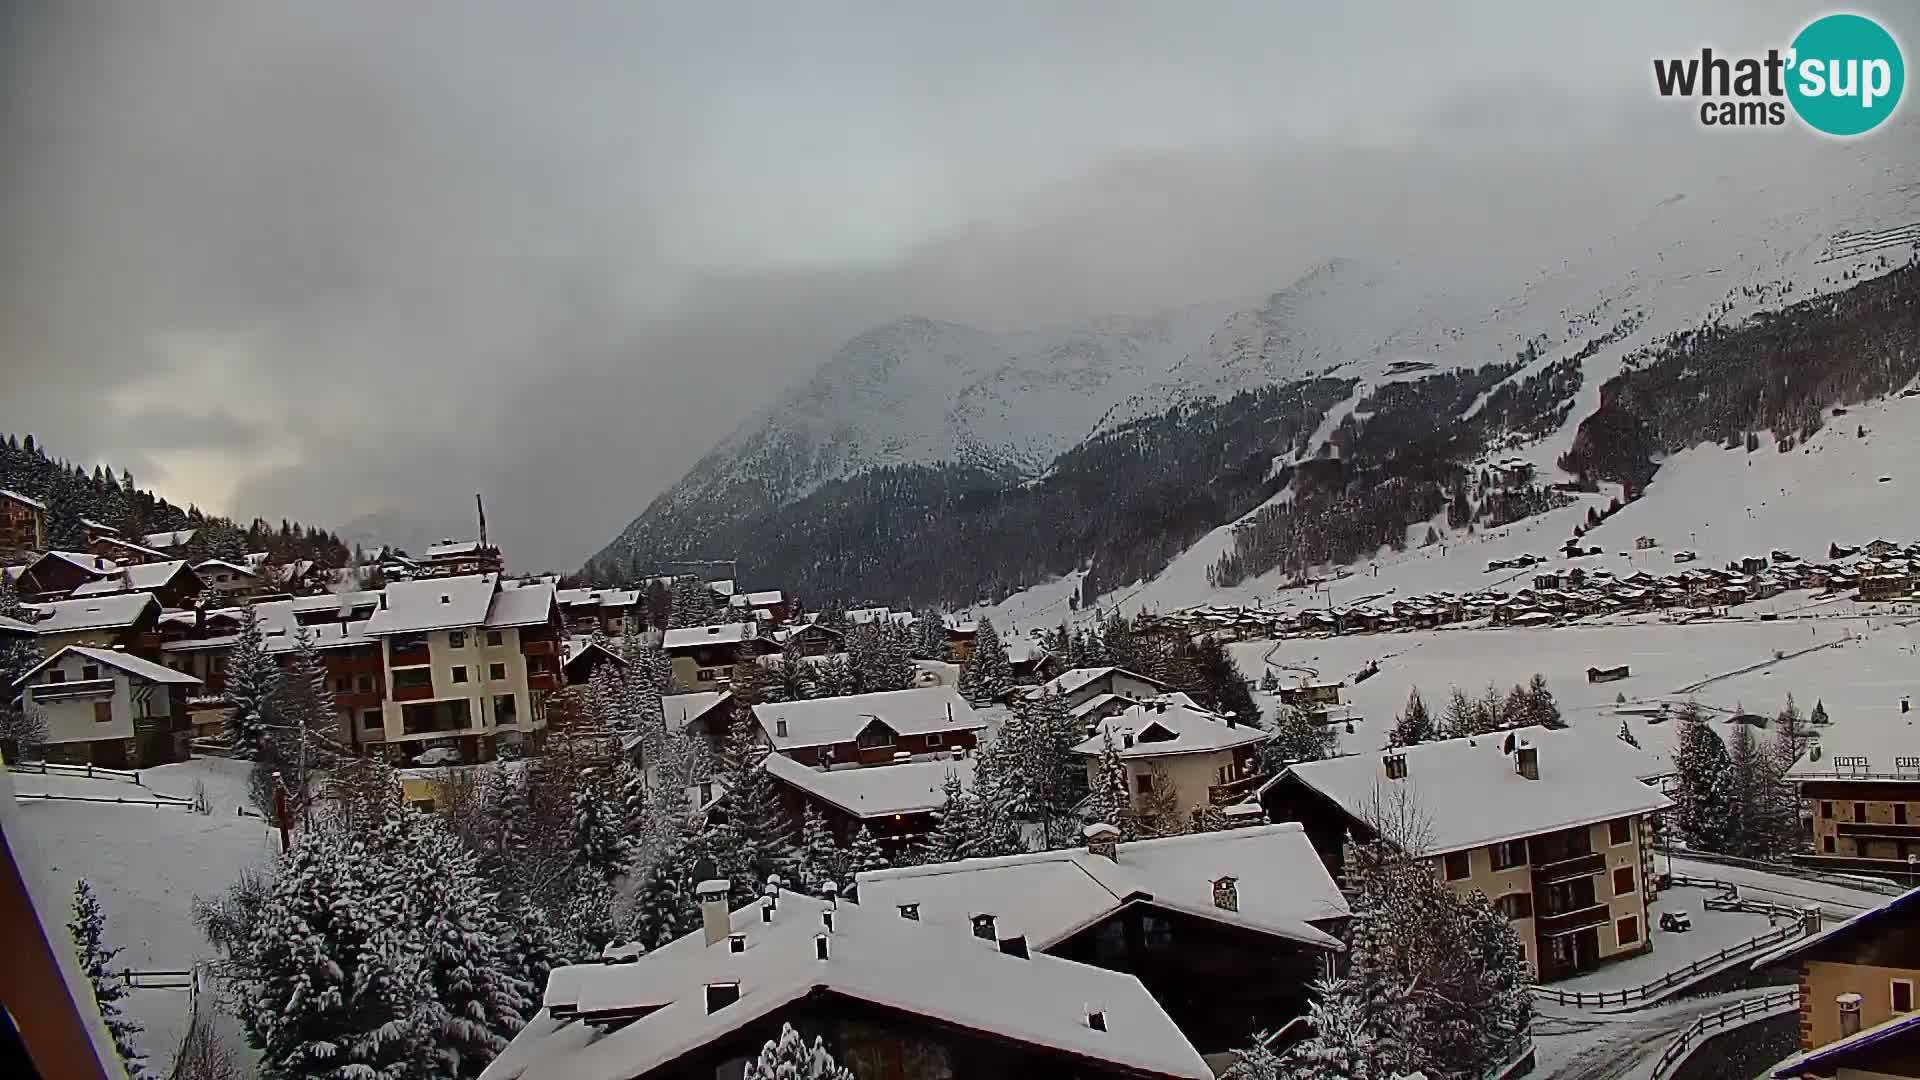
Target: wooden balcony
<point x="64" y="691"/>
<point x="410" y="656"/>
<point x="539" y="647"/>
<point x="1568" y="922"/>
<point x="1573" y="867"/>
<point x="1233" y="791"/>
<point x="1877" y="830"/>
<point x="544" y="680"/>
<point x="413" y="693"/>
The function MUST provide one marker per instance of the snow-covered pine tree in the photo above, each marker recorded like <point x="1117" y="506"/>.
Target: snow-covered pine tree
<point x="995" y="830"/>
<point x="17" y="654"/>
<point x="601" y="846"/>
<point x="820" y="860"/>
<point x="833" y="676"/>
<point x="895" y="656"/>
<point x="252" y="679"/>
<point x="930" y="636"/>
<point x="1341" y="1043"/>
<point x="1039" y="776"/>
<point x="987" y="673"/>
<point x="1702" y="795"/>
<point x="304" y="739"/>
<point x="788" y="1057"/>
<point x="956" y="836"/>
<point x="694" y="603"/>
<point x="588" y="915"/>
<point x="1415" y="724"/>
<point x="534" y="946"/>
<point x="1750" y="794"/>
<point x="1108" y="799"/>
<point x="1222" y="688"/>
<point x="662" y="910"/>
<point x="1540" y="707"/>
<point x="865" y="854"/>
<point x="1296" y="737"/>
<point x="754" y="807"/>
<point x="607" y="702"/>
<point x="88" y="929"/>
<point x="1627" y="736"/>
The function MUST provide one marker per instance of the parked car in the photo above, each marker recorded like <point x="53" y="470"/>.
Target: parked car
<point x="1676" y="922"/>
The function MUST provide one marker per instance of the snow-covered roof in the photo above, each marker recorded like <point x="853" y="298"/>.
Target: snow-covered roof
<point x="448" y="549"/>
<point x="132" y="665"/>
<point x="579" y="645"/>
<point x="829" y="720"/>
<point x="14" y="626"/>
<point x="1904" y="906"/>
<point x="953" y="980"/>
<point x="1074" y="679"/>
<point x="172" y="539"/>
<point x="135" y="578"/>
<point x="862" y="616"/>
<point x="687" y="637"/>
<point x="1469" y="793"/>
<point x="528" y="605"/>
<point x="907" y="787"/>
<point x="724" y="586"/>
<point x="1836" y="1055"/>
<point x="352" y="598"/>
<point x="14" y="496"/>
<point x="757" y="599"/>
<point x="128" y="545"/>
<point x="92" y="613"/>
<point x="223" y="564"/>
<point x="97" y="565"/>
<point x="1169" y="724"/>
<point x="1282" y="885"/>
<point x="433" y="604"/>
<point x="1865" y="748"/>
<point x="682" y="709"/>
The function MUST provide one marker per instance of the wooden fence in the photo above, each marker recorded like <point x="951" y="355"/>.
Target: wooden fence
<point x="89" y="771"/>
<point x="156" y="802"/>
<point x="1653" y="990"/>
<point x="1734" y="1015"/>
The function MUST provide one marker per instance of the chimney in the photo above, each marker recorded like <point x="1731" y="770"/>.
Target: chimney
<point x="766" y="910"/>
<point x="1526" y="761"/>
<point x="780" y="728"/>
<point x="736" y="943"/>
<point x="983" y="927"/>
<point x="1097" y="1017"/>
<point x="910" y="912"/>
<point x="1849" y="1014"/>
<point x="1226" y="893"/>
<point x="1103" y="840"/>
<point x="826" y="921"/>
<point x="830" y="892"/>
<point x="383" y="600"/>
<point x="821" y="949"/>
<point x="1014" y="945"/>
<point x="713" y="908"/>
<point x="1396" y="766"/>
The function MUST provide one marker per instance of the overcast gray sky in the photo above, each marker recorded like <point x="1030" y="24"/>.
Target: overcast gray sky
<point x="320" y="260"/>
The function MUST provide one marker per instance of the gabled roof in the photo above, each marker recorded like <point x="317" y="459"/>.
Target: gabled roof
<point x="445" y="603"/>
<point x="1283" y="886"/>
<point x="1904" y="908"/>
<point x="1470" y="795"/>
<point x="829" y="720"/>
<point x="767" y="598"/>
<point x="139" y="577"/>
<point x="953" y="980"/>
<point x="683" y="709"/>
<point x="128" y="545"/>
<point x="1166" y="725"/>
<point x="1864" y="748"/>
<point x="93" y="613"/>
<point x="581" y="645"/>
<point x="1074" y="679"/>
<point x="86" y="561"/>
<point x="908" y="787"/>
<point x="14" y="496"/>
<point x="1862" y="1049"/>
<point x="132" y="665"/>
<point x="528" y="605"/>
<point x="687" y="637"/>
<point x="172" y="539"/>
<point x="225" y="565"/>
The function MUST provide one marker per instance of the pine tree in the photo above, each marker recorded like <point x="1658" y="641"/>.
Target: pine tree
<point x="88" y="930"/>
<point x="1540" y="707"/>
<point x="1038" y="776"/>
<point x="1626" y="736"/>
<point x="865" y="854"/>
<point x="304" y="739"/>
<point x="754" y="807"/>
<point x="534" y="946"/>
<point x="253" y="677"/>
<point x="788" y="1057"/>
<point x="956" y="836"/>
<point x="930" y="637"/>
<point x="1819" y="717"/>
<point x="694" y="603"/>
<point x="1108" y="801"/>
<point x="1749" y="790"/>
<point x="821" y="860"/>
<point x="600" y="843"/>
<point x="1341" y="1044"/>
<point x="588" y="915"/>
<point x="987" y="674"/>
<point x="1415" y="724"/>
<point x="1792" y="735"/>
<point x="1702" y="782"/>
<point x="1297" y="737"/>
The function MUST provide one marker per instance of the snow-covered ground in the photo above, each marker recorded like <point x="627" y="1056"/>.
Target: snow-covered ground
<point x="1712" y="931"/>
<point x="146" y="864"/>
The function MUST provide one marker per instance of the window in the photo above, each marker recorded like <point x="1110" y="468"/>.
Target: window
<point x="539" y="665"/>
<point x="705" y="674"/>
<point x="1143" y="783"/>
<point x="456" y="639"/>
<point x="933" y="741"/>
<point x="875" y="736"/>
<point x="460" y="674"/>
<point x="505" y="711"/>
<point x="56" y="675"/>
<point x="90" y="672"/>
<point x="1627" y="930"/>
<point x="1859" y="811"/>
<point x="497" y="672"/>
<point x="1156" y="933"/>
<point x="1459" y="866"/>
<point x="1827" y="843"/>
<point x="1510" y="854"/>
<point x="365" y="683"/>
<point x="342" y="685"/>
<point x="412" y="678"/>
<point x="1620" y="831"/>
<point x="1902" y="995"/>
<point x="371" y="720"/>
<point x="1622" y="880"/>
<point x="1515" y="905"/>
<point x="103" y="712"/>
<point x="1826" y="809"/>
<point x="494" y="639"/>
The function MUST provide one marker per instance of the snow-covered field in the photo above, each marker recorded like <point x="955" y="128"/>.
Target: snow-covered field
<point x="146" y="864"/>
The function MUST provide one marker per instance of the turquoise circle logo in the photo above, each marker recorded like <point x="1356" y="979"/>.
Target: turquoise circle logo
<point x="1847" y="74"/>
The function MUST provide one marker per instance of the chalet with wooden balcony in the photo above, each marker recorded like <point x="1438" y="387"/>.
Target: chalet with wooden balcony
<point x="461" y="558"/>
<point x="108" y="708"/>
<point x="1077" y="686"/>
<point x="612" y="612"/>
<point x="1554" y="827"/>
<point x="233" y="581"/>
<point x="23" y="527"/>
<point x="124" y="551"/>
<point x="703" y="657"/>
<point x="1862" y="780"/>
<point x="1226" y="929"/>
<point x="172" y="582"/>
<point x="897" y="802"/>
<point x="811" y="639"/>
<point x="1181" y="760"/>
<point x="768" y="606"/>
<point x="892" y="996"/>
<point x="870" y="729"/>
<point x="126" y="622"/>
<point x="469" y="662"/>
<point x="1859" y="993"/>
<point x="55" y="574"/>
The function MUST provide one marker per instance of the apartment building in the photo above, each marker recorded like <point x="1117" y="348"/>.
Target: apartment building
<point x="703" y="657"/>
<point x="1862" y="781"/>
<point x="127" y="622"/>
<point x="461" y="558"/>
<point x="1554" y="828"/>
<point x="870" y="729"/>
<point x="23" y="527"/>
<point x="1858" y="986"/>
<point x="1180" y="759"/>
<point x="108" y="708"/>
<point x="468" y="661"/>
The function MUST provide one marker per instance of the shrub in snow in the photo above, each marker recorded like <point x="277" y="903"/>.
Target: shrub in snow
<point x="788" y="1057"/>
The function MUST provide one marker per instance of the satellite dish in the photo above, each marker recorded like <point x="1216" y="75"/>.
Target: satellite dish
<point x="705" y="870"/>
<point x="1506" y="745"/>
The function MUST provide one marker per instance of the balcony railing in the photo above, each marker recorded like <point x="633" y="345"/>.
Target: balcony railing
<point x="543" y="680"/>
<point x="79" y="688"/>
<point x="1232" y="791"/>
<point x="539" y="647"/>
<point x="413" y="693"/>
<point x="1554" y="925"/>
<point x="1883" y="830"/>
<point x="1583" y="865"/>
<point x="412" y="654"/>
